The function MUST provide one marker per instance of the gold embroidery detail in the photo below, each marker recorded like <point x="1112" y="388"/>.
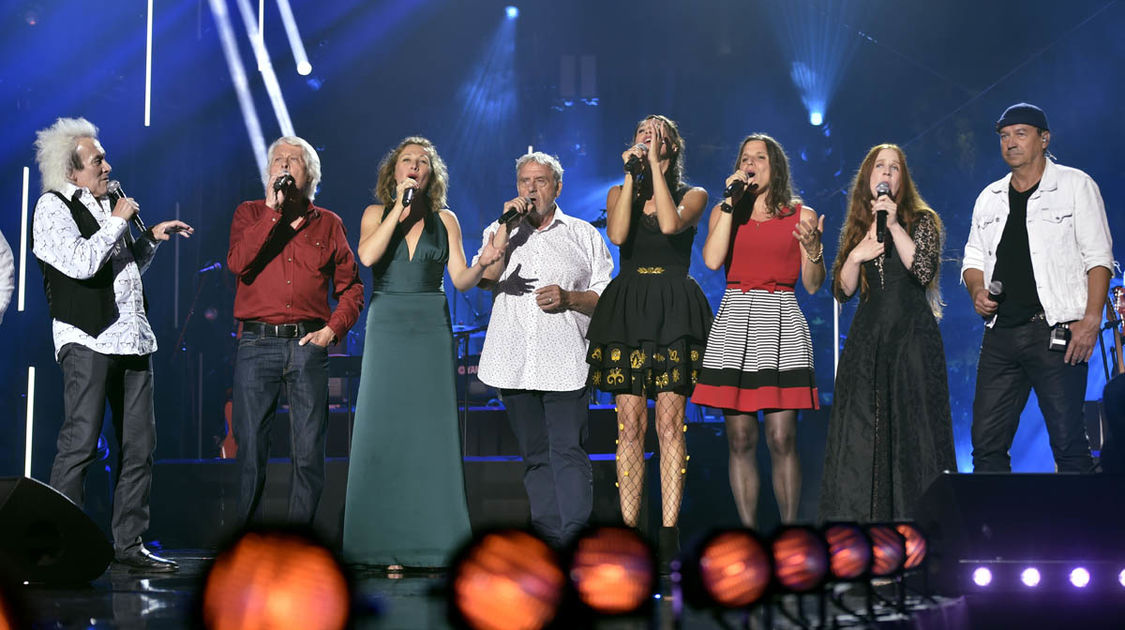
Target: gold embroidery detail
<point x="674" y="356"/>
<point x="659" y="358"/>
<point x="596" y="377"/>
<point x="615" y="377"/>
<point x="694" y="355"/>
<point x="662" y="380"/>
<point x="636" y="359"/>
<point x="596" y="354"/>
<point x="650" y="270"/>
<point x="675" y="375"/>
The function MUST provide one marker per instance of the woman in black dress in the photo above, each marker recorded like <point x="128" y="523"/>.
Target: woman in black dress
<point x="890" y="432"/>
<point x="650" y="326"/>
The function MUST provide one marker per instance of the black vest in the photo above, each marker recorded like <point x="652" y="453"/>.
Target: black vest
<point x="89" y="304"/>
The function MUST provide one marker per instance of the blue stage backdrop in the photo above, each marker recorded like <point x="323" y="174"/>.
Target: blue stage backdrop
<point x="827" y="78"/>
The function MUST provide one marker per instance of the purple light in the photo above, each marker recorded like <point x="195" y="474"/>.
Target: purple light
<point x="1080" y="577"/>
<point x="983" y="577"/>
<point x="1030" y="577"/>
<point x="1121" y="577"/>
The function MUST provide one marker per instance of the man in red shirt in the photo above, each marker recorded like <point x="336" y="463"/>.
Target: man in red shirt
<point x="289" y="256"/>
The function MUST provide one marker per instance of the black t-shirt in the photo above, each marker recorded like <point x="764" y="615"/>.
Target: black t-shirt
<point x="1013" y="264"/>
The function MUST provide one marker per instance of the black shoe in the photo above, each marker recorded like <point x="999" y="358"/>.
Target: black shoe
<point x="140" y="558"/>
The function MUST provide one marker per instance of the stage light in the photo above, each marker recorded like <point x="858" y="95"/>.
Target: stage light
<point x="982" y="576"/>
<point x="734" y="569"/>
<point x="849" y="551"/>
<point x="506" y="579"/>
<point x="800" y="558"/>
<point x="304" y="68"/>
<point x="816" y="118"/>
<point x="275" y="579"/>
<point x="239" y="80"/>
<point x="612" y="570"/>
<point x="888" y="547"/>
<point x="915" y="545"/>
<point x="300" y="57"/>
<point x="1080" y="577"/>
<point x="1030" y="577"/>
<point x="512" y="12"/>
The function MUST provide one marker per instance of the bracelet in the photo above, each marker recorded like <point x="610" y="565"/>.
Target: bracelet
<point x="819" y="255"/>
<point x="726" y="207"/>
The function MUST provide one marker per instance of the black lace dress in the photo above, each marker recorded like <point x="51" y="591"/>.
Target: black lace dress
<point x="650" y="326"/>
<point x="890" y="432"/>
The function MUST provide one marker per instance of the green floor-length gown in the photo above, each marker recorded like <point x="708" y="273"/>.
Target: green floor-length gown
<point x="406" y="491"/>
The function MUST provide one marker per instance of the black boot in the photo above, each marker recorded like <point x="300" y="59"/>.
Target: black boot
<point x="668" y="548"/>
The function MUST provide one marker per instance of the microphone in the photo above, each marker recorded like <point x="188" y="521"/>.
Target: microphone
<point x="996" y="291"/>
<point x="115" y="192"/>
<point x="736" y="187"/>
<point x="882" y="189"/>
<point x="513" y="212"/>
<point x="407" y="197"/>
<point x="633" y="165"/>
<point x="283" y="182"/>
<point x="212" y="267"/>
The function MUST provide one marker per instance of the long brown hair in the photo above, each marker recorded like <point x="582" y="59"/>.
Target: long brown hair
<point x="675" y="173"/>
<point x="911" y="208"/>
<point x="436" y="188"/>
<point x="780" y="198"/>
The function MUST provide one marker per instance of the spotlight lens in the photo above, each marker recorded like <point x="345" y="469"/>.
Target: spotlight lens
<point x="735" y="569"/>
<point x="612" y="570"/>
<point x="1030" y="577"/>
<point x="800" y="559"/>
<point x="1121" y="577"/>
<point x="508" y="580"/>
<point x="1080" y="577"/>
<point x="304" y="68"/>
<point x="816" y="118"/>
<point x="982" y="576"/>
<point x="512" y="12"/>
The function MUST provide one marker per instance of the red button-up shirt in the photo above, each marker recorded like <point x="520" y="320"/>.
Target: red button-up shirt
<point x="293" y="284"/>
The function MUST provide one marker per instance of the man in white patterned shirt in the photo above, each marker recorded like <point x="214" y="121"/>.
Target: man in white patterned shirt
<point x="544" y="290"/>
<point x="92" y="269"/>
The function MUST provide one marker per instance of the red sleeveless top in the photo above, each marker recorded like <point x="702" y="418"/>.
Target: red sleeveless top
<point x="765" y="255"/>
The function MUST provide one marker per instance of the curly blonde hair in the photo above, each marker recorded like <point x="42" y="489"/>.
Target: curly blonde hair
<point x="436" y="188"/>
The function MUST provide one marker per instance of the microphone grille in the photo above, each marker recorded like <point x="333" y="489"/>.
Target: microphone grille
<point x="113" y="187"/>
<point x="883" y="188"/>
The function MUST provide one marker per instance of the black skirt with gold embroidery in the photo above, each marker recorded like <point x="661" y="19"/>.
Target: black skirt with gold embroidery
<point x="648" y="333"/>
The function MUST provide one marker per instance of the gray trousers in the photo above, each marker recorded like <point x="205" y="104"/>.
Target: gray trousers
<point x="90" y="380"/>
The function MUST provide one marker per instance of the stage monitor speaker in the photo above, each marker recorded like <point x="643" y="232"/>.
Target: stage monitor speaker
<point x="1004" y="517"/>
<point x="45" y="538"/>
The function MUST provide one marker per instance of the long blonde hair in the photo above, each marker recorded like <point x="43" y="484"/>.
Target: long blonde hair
<point x="436" y="188"/>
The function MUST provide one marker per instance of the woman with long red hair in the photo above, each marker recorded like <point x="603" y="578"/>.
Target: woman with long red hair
<point x="890" y="432"/>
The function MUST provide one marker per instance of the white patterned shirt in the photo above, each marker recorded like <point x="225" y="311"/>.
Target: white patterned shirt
<point x="7" y="275"/>
<point x="526" y="348"/>
<point x="59" y="244"/>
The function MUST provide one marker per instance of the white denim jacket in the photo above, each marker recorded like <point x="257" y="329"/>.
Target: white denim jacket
<point x="1067" y="233"/>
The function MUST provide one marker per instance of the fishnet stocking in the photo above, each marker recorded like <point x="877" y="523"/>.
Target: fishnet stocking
<point x="670" y="428"/>
<point x="632" y="420"/>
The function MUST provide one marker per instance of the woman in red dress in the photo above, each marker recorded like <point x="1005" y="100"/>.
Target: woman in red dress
<point x="759" y="353"/>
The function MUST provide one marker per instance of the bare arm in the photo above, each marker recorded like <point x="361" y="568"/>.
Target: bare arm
<point x="463" y="275"/>
<point x="808" y="232"/>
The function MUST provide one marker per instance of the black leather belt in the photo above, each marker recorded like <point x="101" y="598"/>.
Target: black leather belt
<point x="287" y="331"/>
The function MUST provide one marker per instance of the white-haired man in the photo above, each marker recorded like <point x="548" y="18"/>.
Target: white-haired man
<point x="544" y="289"/>
<point x="92" y="268"/>
<point x="289" y="256"/>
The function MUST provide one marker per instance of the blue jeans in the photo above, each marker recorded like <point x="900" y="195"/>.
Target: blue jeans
<point x="1012" y="361"/>
<point x="264" y="366"/>
<point x="551" y="428"/>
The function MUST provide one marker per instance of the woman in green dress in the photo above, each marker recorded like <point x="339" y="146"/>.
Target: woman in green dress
<point x="406" y="502"/>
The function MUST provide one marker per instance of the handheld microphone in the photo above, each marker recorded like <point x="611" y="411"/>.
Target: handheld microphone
<point x="514" y="212"/>
<point x="215" y="266"/>
<point x="882" y="189"/>
<point x="285" y="181"/>
<point x="633" y="165"/>
<point x="407" y="197"/>
<point x="736" y="187"/>
<point x="996" y="291"/>
<point x="115" y="192"/>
